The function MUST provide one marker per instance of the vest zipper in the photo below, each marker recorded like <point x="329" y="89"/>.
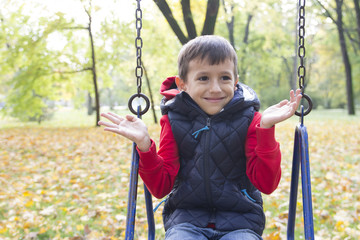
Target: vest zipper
<point x="206" y="163"/>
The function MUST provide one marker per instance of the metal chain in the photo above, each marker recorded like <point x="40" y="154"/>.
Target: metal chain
<point x="138" y="45"/>
<point x="139" y="69"/>
<point x="301" y="53"/>
<point x="301" y="49"/>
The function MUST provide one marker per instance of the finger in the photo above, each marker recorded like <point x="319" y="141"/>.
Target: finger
<point x="283" y="103"/>
<point x="105" y="115"/>
<point x="113" y="130"/>
<point x="296" y="103"/>
<point x="115" y="115"/>
<point x="120" y="131"/>
<point x="119" y="118"/>
<point x="297" y="95"/>
<point x="298" y="100"/>
<point x="108" y="124"/>
<point x="131" y="118"/>
<point x="292" y="96"/>
<point x="110" y="129"/>
<point x="293" y="107"/>
<point x="111" y="118"/>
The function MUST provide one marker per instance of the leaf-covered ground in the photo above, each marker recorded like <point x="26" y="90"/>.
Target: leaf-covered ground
<point x="72" y="183"/>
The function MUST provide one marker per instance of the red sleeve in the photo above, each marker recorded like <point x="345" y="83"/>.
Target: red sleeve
<point x="159" y="169"/>
<point x="263" y="157"/>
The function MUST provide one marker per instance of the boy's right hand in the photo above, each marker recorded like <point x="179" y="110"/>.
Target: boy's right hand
<point x="130" y="127"/>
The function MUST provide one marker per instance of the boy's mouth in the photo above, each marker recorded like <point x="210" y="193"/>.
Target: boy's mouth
<point x="214" y="100"/>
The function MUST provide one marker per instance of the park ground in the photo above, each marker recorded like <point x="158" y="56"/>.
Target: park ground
<point x="65" y="179"/>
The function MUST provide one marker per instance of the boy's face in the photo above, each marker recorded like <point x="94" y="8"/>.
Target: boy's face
<point x="210" y="86"/>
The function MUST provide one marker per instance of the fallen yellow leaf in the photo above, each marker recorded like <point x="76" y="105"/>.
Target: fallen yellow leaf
<point x="29" y="204"/>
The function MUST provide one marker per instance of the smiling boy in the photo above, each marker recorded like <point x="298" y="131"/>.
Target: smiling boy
<point x="216" y="151"/>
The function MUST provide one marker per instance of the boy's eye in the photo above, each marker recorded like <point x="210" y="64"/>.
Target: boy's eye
<point x="203" y="78"/>
<point x="225" y="78"/>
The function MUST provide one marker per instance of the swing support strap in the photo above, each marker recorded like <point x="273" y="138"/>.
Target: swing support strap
<point x="301" y="157"/>
<point x="132" y="197"/>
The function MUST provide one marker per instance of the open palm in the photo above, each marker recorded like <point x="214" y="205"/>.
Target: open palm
<point x="129" y="127"/>
<point x="281" y="111"/>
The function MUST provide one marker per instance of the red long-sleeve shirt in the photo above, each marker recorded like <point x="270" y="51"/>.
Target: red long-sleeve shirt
<point x="159" y="169"/>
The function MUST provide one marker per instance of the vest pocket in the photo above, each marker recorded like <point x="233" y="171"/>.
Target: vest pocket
<point x="244" y="192"/>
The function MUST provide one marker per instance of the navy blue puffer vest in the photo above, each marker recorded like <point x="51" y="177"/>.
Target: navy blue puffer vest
<point x="212" y="185"/>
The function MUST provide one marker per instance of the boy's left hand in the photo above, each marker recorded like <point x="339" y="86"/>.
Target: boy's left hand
<point x="281" y="111"/>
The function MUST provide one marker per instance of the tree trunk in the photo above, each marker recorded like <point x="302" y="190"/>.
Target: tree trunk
<point x="243" y="67"/>
<point x="166" y="11"/>
<point x="345" y="56"/>
<point x="209" y="23"/>
<point x="211" y="15"/>
<point x="357" y="10"/>
<point x="247" y="29"/>
<point x="188" y="19"/>
<point x="111" y="100"/>
<point x="93" y="70"/>
<point x="289" y="71"/>
<point x="230" y="24"/>
<point x="90" y="108"/>
<point x="150" y="93"/>
<point x="294" y="77"/>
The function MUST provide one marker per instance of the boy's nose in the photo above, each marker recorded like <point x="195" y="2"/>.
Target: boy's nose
<point x="215" y="86"/>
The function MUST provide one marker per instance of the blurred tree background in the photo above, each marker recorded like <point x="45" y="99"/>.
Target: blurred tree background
<point x="64" y="61"/>
<point x="81" y="53"/>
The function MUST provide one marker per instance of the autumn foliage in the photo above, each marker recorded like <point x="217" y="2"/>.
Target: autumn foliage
<point x="72" y="183"/>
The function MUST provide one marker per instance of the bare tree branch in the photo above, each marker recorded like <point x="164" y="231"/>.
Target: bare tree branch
<point x="346" y="31"/>
<point x="327" y="12"/>
<point x="75" y="28"/>
<point x="75" y="71"/>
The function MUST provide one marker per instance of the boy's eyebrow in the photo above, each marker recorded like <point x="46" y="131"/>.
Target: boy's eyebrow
<point x="202" y="73"/>
<point x="207" y="72"/>
<point x="227" y="72"/>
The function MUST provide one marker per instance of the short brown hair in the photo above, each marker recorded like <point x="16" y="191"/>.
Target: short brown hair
<point x="215" y="49"/>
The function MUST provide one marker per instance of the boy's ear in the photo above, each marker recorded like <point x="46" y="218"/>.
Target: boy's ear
<point x="180" y="83"/>
<point x="236" y="81"/>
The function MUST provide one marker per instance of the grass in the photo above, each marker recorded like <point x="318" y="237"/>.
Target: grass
<point x="67" y="117"/>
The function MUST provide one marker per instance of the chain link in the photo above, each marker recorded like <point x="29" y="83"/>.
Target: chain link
<point x="301" y="50"/>
<point x="138" y="45"/>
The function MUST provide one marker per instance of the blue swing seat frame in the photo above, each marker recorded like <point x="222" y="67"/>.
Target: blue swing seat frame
<point x="132" y="197"/>
<point x="301" y="158"/>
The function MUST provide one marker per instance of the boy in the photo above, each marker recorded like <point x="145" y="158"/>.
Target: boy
<point x="216" y="152"/>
